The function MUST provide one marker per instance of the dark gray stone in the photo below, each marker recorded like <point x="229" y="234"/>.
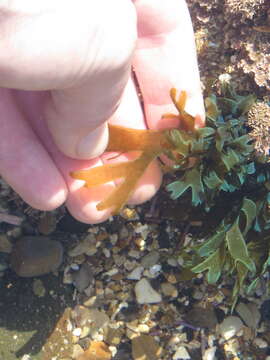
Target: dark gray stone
<point x="35" y="256"/>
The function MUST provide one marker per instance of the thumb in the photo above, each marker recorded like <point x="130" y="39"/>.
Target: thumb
<point x="80" y="52"/>
<point x="77" y="116"/>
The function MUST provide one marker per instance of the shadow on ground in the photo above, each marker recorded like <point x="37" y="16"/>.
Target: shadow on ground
<point x="27" y="320"/>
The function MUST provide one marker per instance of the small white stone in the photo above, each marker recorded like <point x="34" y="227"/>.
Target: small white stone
<point x="107" y="253"/>
<point x="145" y="294"/>
<point x="111" y="272"/>
<point x="77" y="332"/>
<point x="26" y="357"/>
<point x="230" y="327"/>
<point x="262" y="344"/>
<point x="181" y="354"/>
<point x="226" y="78"/>
<point x="136" y="274"/>
<point x="143" y="328"/>
<point x="172" y="261"/>
<point x="155" y="269"/>
<point x="113" y="350"/>
<point x="209" y="353"/>
<point x="74" y="267"/>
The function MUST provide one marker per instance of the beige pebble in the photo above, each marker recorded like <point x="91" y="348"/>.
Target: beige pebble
<point x="145" y="294"/>
<point x="169" y="290"/>
<point x="230" y="327"/>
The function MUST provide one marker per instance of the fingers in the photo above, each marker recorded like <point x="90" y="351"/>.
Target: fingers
<point x="166" y="58"/>
<point x="82" y="202"/>
<point x="80" y="50"/>
<point x="24" y="163"/>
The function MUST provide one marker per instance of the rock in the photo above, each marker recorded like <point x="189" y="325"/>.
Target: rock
<point x="249" y="313"/>
<point x="232" y="347"/>
<point x="209" y="353"/>
<point x="114" y="336"/>
<point x="260" y="343"/>
<point x="136" y="274"/>
<point x="150" y="259"/>
<point x="77" y="351"/>
<point x="97" y="350"/>
<point x="5" y="244"/>
<point x="181" y="354"/>
<point x="169" y="290"/>
<point x="202" y="317"/>
<point x="145" y="347"/>
<point x="87" y="246"/>
<point x="230" y="327"/>
<point x="35" y="256"/>
<point x="38" y="288"/>
<point x="93" y="319"/>
<point x="154" y="270"/>
<point x="83" y="277"/>
<point x="143" y="328"/>
<point x="145" y="294"/>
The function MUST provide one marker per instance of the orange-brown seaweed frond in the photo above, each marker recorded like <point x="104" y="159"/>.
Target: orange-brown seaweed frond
<point x="150" y="144"/>
<point x="186" y="121"/>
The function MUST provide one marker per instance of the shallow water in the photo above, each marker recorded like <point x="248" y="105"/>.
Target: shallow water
<point x="27" y="320"/>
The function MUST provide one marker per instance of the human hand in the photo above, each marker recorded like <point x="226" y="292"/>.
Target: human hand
<point x="65" y="71"/>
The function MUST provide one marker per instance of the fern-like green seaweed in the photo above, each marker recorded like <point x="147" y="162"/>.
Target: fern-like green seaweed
<point x="226" y="163"/>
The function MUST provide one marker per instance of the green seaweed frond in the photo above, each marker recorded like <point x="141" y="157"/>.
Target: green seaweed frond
<point x="224" y="162"/>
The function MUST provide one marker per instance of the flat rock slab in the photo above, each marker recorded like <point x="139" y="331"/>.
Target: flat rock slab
<point x="35" y="256"/>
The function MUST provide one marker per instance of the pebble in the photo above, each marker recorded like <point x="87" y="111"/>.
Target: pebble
<point x="202" y="317"/>
<point x="181" y="354"/>
<point x="173" y="262"/>
<point x="36" y="255"/>
<point x="169" y="290"/>
<point x="134" y="254"/>
<point x="145" y="347"/>
<point x="232" y="347"/>
<point x="38" y="288"/>
<point x="249" y="313"/>
<point x="92" y="319"/>
<point x="86" y="246"/>
<point x="230" y="327"/>
<point x="145" y="294"/>
<point x="262" y="344"/>
<point x="136" y="274"/>
<point x="77" y="351"/>
<point x="26" y="357"/>
<point x="114" y="336"/>
<point x="83" y="277"/>
<point x="150" y="259"/>
<point x="143" y="328"/>
<point x="155" y="270"/>
<point x="77" y="332"/>
<point x="209" y="353"/>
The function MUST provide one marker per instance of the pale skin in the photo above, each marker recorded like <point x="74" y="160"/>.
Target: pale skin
<point x="65" y="71"/>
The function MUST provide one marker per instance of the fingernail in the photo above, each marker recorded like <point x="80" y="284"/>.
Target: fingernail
<point x="94" y="144"/>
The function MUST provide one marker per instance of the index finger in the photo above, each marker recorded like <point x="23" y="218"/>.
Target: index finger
<point x="166" y="58"/>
